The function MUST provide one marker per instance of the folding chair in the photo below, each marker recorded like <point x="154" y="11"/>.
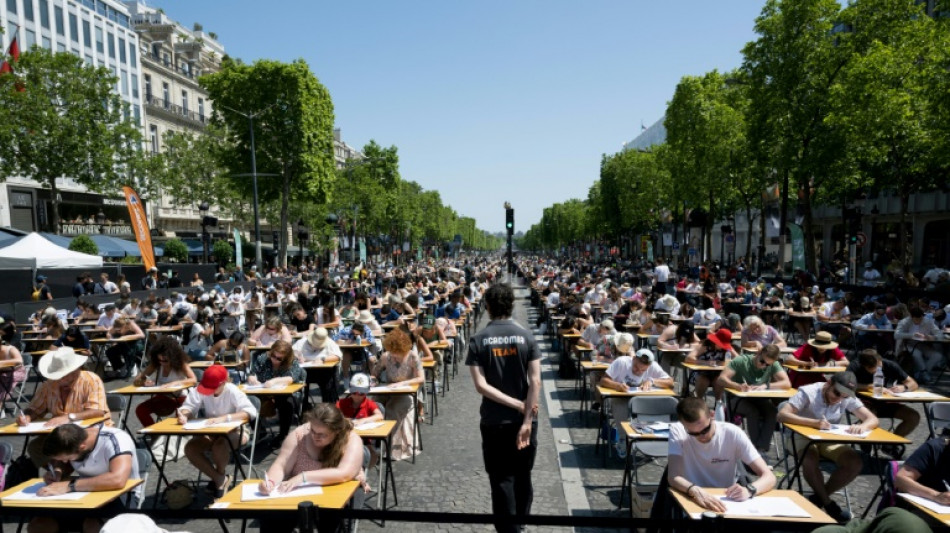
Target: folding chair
<point x="646" y="410"/>
<point x="938" y="414"/>
<point x="17" y="389"/>
<point x="256" y="402"/>
<point x="117" y="403"/>
<point x="145" y="463"/>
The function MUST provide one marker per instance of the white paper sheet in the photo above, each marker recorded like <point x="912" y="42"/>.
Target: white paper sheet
<point x="378" y="390"/>
<point x="264" y="387"/>
<point x="659" y="426"/>
<point x="154" y="388"/>
<point x="192" y="425"/>
<point x="929" y="504"/>
<point x="32" y="427"/>
<point x="755" y="507"/>
<point x="368" y="426"/>
<point x="918" y="394"/>
<point x="249" y="492"/>
<point x="30" y="493"/>
<point x="837" y="429"/>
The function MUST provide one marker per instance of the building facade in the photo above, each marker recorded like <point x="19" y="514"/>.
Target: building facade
<point x="100" y="32"/>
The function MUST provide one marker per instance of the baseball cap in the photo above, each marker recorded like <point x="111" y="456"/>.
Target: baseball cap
<point x="212" y="379"/>
<point x="645" y="355"/>
<point x="845" y="382"/>
<point x="359" y="383"/>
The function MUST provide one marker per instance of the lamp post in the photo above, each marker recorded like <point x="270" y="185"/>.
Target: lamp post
<point x="203" y="208"/>
<point x="101" y="220"/>
<point x="302" y="235"/>
<point x="257" y="219"/>
<point x="332" y="220"/>
<point x="356" y="212"/>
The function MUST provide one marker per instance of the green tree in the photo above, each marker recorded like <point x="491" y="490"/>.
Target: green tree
<point x="84" y="244"/>
<point x="293" y="131"/>
<point x="176" y="251"/>
<point x="68" y="121"/>
<point x="223" y="252"/>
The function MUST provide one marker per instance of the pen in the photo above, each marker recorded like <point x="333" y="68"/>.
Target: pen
<point x="946" y="485"/>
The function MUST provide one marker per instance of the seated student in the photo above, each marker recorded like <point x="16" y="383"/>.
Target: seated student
<point x="122" y="354"/>
<point x="756" y="334"/>
<point x="167" y="366"/>
<point x="231" y="350"/>
<point x="925" y="472"/>
<point x="640" y="371"/>
<point x="272" y="330"/>
<point x="102" y="458"/>
<point x="300" y="319"/>
<point x="357" y="406"/>
<point x="819" y="405"/>
<point x="677" y="337"/>
<point x="820" y="351"/>
<point x="895" y="381"/>
<point x="217" y="401"/>
<point x="708" y="318"/>
<point x="324" y="450"/>
<point x="403" y="367"/>
<point x="317" y="347"/>
<point x="277" y="368"/>
<point x="758" y="371"/>
<point x="715" y="348"/>
<point x="11" y="377"/>
<point x="913" y="333"/>
<point x="75" y="339"/>
<point x="704" y="454"/>
<point x="875" y="320"/>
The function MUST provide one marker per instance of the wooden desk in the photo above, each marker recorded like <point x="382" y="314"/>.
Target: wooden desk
<point x="633" y="434"/>
<point x="944" y="519"/>
<point x="93" y="500"/>
<point x="586" y="368"/>
<point x="428" y="368"/>
<point x="388" y="478"/>
<point x="817" y="515"/>
<point x="206" y="364"/>
<point x="814" y="369"/>
<point x="768" y="394"/>
<point x="287" y="390"/>
<point x="14" y="429"/>
<point x="333" y="497"/>
<point x="888" y="397"/>
<point x="414" y="391"/>
<point x="132" y="390"/>
<point x="170" y="427"/>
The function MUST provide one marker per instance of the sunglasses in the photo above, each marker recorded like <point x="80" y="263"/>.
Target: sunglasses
<point x="836" y="392"/>
<point x="701" y="432"/>
<point x="761" y="361"/>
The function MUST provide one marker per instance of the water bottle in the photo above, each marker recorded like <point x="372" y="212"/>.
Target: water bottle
<point x="878" y="382"/>
<point x="727" y="358"/>
<point x="720" y="411"/>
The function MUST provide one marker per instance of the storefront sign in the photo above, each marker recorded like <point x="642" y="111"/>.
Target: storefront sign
<point x="96" y="229"/>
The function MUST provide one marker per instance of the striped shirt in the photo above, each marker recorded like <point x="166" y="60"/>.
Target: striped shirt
<point x="88" y="392"/>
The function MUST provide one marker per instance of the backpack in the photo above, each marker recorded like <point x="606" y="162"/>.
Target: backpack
<point x="888" y="487"/>
<point x="19" y="471"/>
<point x="6" y="453"/>
<point x="35" y="296"/>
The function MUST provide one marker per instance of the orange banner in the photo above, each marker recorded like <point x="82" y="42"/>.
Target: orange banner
<point x="140" y="226"/>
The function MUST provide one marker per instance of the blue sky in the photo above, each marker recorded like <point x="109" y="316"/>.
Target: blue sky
<point x="489" y="100"/>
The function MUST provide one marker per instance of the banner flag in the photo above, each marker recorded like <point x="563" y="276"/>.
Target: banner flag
<point x="238" y="252"/>
<point x="798" y="246"/>
<point x="140" y="226"/>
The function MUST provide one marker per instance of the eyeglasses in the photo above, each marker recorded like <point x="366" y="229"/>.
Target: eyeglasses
<point x="701" y="432"/>
<point x="276" y="357"/>
<point x="761" y="361"/>
<point x="272" y="330"/>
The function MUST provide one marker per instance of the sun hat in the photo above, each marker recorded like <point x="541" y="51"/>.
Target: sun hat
<point x="623" y="342"/>
<point x="644" y="355"/>
<point x="359" y="383"/>
<point x="607" y="324"/>
<point x="318" y="338"/>
<point x="57" y="364"/>
<point x="214" y="377"/>
<point x="804" y="302"/>
<point x="845" y="382"/>
<point x="721" y="338"/>
<point x="365" y="317"/>
<point x="709" y="313"/>
<point x="823" y="340"/>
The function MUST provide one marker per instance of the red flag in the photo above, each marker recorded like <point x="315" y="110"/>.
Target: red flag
<point x="14" y="52"/>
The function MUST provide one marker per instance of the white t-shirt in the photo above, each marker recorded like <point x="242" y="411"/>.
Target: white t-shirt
<point x="105" y="321"/>
<point x="231" y="401"/>
<point x="621" y="371"/>
<point x="662" y="273"/>
<point x="809" y="402"/>
<point x="827" y="311"/>
<point x="110" y="443"/>
<point x="712" y="464"/>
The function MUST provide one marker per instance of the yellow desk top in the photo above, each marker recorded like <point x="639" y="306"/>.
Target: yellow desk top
<point x="282" y="391"/>
<point x="705" y="366"/>
<point x="333" y="497"/>
<point x="13" y="429"/>
<point x="817" y="515"/>
<point x="633" y="434"/>
<point x="604" y="391"/>
<point x="164" y="329"/>
<point x="888" y="397"/>
<point x="591" y="365"/>
<point x="132" y="390"/>
<point x="9" y="364"/>
<point x="380" y="432"/>
<point x="383" y="390"/>
<point x="93" y="500"/>
<point x="877" y="436"/>
<point x="783" y="394"/>
<point x="815" y="369"/>
<point x="350" y="345"/>
<point x="315" y="365"/>
<point x="428" y="365"/>
<point x="170" y="426"/>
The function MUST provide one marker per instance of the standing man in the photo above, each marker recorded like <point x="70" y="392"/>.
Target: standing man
<point x="661" y="276"/>
<point x="505" y="364"/>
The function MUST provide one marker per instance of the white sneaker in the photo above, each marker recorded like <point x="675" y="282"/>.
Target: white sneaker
<point x="621" y="449"/>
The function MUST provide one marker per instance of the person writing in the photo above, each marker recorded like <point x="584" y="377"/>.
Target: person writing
<point x="705" y="454"/>
<point x="167" y="367"/>
<point x="231" y="350"/>
<point x="714" y="350"/>
<point x="357" y="407"/>
<point x="272" y="330"/>
<point x="403" y="368"/>
<point x="896" y="381"/>
<point x="276" y="369"/>
<point x="752" y="372"/>
<point x="319" y="349"/>
<point x="820" y="351"/>
<point x="925" y="473"/>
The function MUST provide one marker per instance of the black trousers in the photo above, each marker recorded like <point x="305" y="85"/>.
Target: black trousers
<point x="509" y="471"/>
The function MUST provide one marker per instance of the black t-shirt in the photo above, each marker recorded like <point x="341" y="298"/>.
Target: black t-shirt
<point x="893" y="373"/>
<point x="301" y="324"/>
<point x="932" y="461"/>
<point x="503" y="349"/>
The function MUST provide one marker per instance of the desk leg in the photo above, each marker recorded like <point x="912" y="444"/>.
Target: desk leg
<point x="626" y="476"/>
<point x="236" y="457"/>
<point x="125" y="416"/>
<point x="159" y="464"/>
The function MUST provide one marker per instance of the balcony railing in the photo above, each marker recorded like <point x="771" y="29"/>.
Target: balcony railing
<point x="168" y="64"/>
<point x="160" y="103"/>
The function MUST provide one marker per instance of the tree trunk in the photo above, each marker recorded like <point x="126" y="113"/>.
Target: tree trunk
<point x="284" y="216"/>
<point x="783" y="221"/>
<point x="761" y="238"/>
<point x="810" y="259"/>
<point x="709" y="228"/>
<point x="54" y="200"/>
<point x="905" y="201"/>
<point x="748" y="237"/>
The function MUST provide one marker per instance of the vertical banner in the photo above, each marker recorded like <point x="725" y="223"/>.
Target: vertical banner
<point x="650" y="251"/>
<point x="140" y="226"/>
<point x="362" y="250"/>
<point x="238" y="252"/>
<point x="798" y="246"/>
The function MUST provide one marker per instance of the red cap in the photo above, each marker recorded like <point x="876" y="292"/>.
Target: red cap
<point x="721" y="338"/>
<point x="212" y="379"/>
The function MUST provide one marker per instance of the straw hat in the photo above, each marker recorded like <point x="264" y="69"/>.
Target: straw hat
<point x="823" y="341"/>
<point x="57" y="364"/>
<point x="318" y="338"/>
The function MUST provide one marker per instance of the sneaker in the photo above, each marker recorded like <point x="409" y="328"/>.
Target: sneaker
<point x="621" y="449"/>
<point x="595" y="406"/>
<point x="438" y="387"/>
<point x="835" y="511"/>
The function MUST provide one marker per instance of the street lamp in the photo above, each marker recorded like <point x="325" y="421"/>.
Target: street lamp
<point x="302" y="235"/>
<point x="101" y="220"/>
<point x="203" y="208"/>
<point x="257" y="219"/>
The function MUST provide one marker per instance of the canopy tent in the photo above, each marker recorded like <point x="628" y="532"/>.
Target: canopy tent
<point x="6" y="239"/>
<point x="34" y="251"/>
<point x="108" y="246"/>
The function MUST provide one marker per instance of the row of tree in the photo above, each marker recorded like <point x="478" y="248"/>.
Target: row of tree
<point x="60" y="118"/>
<point x="830" y="103"/>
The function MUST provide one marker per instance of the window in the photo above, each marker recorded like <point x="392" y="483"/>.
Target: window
<point x="166" y="94"/>
<point x="47" y="43"/>
<point x="121" y="50"/>
<point x="44" y="14"/>
<point x="137" y="113"/>
<point x="132" y="59"/>
<point x="30" y="39"/>
<point x="60" y="24"/>
<point x="28" y="10"/>
<point x="201" y="109"/>
<point x="125" y="83"/>
<point x="111" y="40"/>
<point x="11" y="6"/>
<point x="74" y="27"/>
<point x="148" y="87"/>
<point x="100" y="45"/>
<point x="135" y="85"/>
<point x="86" y="34"/>
<point x="153" y="138"/>
<point x="60" y="47"/>
<point x="89" y="60"/>
<point x="184" y="101"/>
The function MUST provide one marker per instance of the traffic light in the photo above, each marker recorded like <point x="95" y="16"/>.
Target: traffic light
<point x="276" y="236"/>
<point x="510" y="221"/>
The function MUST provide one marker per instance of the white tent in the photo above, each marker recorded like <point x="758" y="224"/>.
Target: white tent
<point x="34" y="251"/>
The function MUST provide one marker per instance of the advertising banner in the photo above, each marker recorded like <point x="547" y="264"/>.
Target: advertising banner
<point x="140" y="226"/>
